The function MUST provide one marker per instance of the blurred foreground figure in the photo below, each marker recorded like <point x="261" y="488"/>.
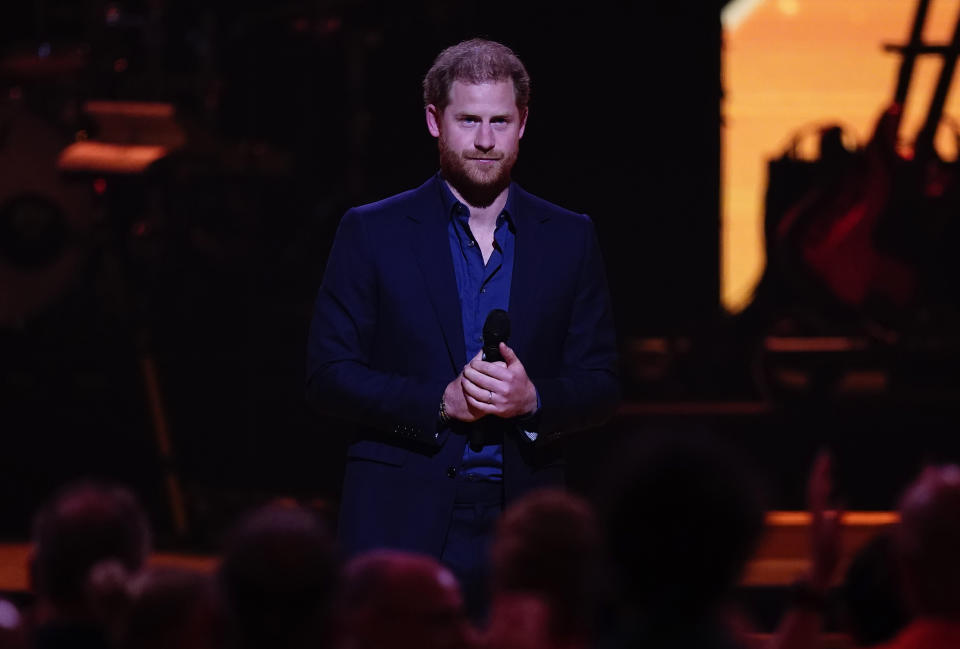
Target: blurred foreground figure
<point x="86" y="529"/>
<point x="872" y="596"/>
<point x="546" y="564"/>
<point x="399" y="600"/>
<point x="171" y="608"/>
<point x="278" y="577"/>
<point x="927" y="544"/>
<point x="682" y="516"/>
<point x="13" y="633"/>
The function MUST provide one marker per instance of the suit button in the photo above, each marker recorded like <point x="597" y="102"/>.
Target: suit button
<point x="451" y="472"/>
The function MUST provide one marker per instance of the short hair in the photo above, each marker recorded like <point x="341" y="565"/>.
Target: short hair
<point x="927" y="539"/>
<point x="548" y="543"/>
<point x="85" y="524"/>
<point x="279" y="573"/>
<point x="170" y="608"/>
<point x="368" y="576"/>
<point x="475" y="61"/>
<point x="682" y="513"/>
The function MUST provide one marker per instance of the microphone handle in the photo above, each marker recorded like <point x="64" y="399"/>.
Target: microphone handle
<point x="491" y="351"/>
<point x="491" y="354"/>
<point x="476" y="435"/>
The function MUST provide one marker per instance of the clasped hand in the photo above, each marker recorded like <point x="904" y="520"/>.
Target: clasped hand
<point x="502" y="389"/>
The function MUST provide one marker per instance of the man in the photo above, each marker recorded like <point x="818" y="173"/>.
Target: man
<point x="82" y="538"/>
<point x="408" y="286"/>
<point x="546" y="573"/>
<point x="681" y="514"/>
<point x="278" y="578"/>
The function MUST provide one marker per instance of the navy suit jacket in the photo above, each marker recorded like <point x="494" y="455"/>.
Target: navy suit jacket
<point x="386" y="338"/>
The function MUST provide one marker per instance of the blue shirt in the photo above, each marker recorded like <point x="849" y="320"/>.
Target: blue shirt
<point x="482" y="288"/>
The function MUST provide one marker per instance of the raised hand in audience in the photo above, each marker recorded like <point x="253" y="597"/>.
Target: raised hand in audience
<point x="825" y="522"/>
<point x="802" y="624"/>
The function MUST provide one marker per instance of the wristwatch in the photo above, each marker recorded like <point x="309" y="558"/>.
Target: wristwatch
<point x="444" y="417"/>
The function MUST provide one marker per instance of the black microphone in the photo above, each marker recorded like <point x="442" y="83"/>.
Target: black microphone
<point x="496" y="330"/>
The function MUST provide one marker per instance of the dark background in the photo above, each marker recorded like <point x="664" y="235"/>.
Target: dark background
<point x="207" y="265"/>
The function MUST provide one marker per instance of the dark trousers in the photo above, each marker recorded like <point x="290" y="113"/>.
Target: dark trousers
<point x="476" y="509"/>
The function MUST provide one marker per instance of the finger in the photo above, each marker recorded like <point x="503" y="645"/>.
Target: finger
<point x="482" y="380"/>
<point x="478" y="357"/>
<point x="481" y="394"/>
<point x="508" y="354"/>
<point x="497" y="371"/>
<point x="480" y="406"/>
<point x="819" y="487"/>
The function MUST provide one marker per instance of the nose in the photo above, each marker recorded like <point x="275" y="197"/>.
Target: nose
<point x="484" y="139"/>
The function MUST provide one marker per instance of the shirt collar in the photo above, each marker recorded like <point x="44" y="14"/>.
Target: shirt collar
<point x="455" y="209"/>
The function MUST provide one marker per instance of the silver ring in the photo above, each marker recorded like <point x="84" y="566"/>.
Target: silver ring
<point x="491" y="396"/>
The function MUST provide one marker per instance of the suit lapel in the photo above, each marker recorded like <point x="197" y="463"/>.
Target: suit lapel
<point x="431" y="247"/>
<point x="527" y="258"/>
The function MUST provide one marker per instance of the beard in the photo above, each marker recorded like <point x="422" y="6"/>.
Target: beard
<point x="477" y="184"/>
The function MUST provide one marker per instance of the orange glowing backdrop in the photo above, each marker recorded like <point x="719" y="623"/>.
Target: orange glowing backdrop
<point x="788" y="64"/>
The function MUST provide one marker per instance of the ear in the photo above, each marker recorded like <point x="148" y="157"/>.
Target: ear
<point x="433" y="115"/>
<point x="523" y="121"/>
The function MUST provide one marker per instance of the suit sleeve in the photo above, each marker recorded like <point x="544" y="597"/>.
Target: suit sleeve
<point x="586" y="391"/>
<point x="341" y="381"/>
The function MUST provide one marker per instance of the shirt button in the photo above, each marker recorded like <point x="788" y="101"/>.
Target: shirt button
<point x="451" y="472"/>
<point x="483" y="290"/>
<point x="470" y="243"/>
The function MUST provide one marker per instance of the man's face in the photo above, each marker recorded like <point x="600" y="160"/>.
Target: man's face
<point x="478" y="137"/>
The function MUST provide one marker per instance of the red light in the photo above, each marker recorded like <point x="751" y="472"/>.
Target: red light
<point x="332" y="24"/>
<point x="100" y="186"/>
<point x="140" y="229"/>
<point x="120" y="65"/>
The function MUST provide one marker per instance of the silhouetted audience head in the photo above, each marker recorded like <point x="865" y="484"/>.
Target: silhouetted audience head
<point x="872" y="601"/>
<point x="278" y="577"/>
<point x="171" y="608"/>
<point x="84" y="526"/>
<point x="682" y="514"/>
<point x="547" y="546"/>
<point x="13" y="633"/>
<point x="399" y="600"/>
<point x="927" y="542"/>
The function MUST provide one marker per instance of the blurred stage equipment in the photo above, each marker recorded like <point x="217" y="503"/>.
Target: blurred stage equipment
<point x="44" y="218"/>
<point x="861" y="240"/>
<point x="53" y="177"/>
<point x="132" y="136"/>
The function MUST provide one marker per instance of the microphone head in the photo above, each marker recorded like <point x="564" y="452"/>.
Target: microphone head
<point x="496" y="330"/>
<point x="497" y="326"/>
